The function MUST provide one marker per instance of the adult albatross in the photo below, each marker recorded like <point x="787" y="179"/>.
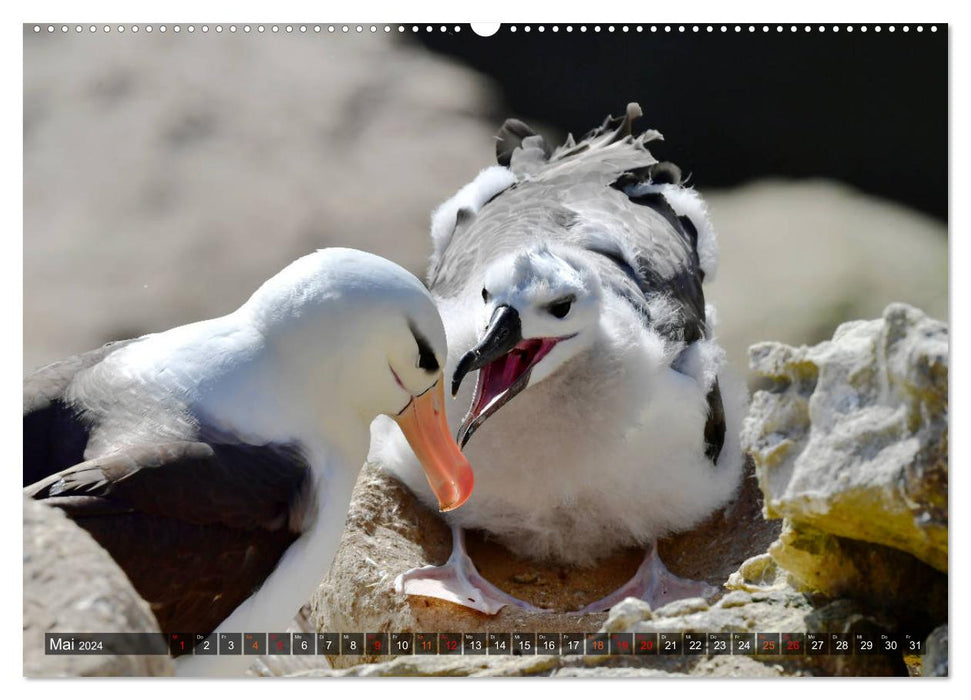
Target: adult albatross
<point x="570" y="283"/>
<point x="215" y="461"/>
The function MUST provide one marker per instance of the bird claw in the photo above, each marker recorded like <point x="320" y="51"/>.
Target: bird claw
<point x="458" y="581"/>
<point x="466" y="588"/>
<point x="653" y="584"/>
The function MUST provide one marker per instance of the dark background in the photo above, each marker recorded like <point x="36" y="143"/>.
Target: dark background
<point x="869" y="109"/>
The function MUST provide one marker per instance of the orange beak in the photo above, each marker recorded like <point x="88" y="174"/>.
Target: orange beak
<point x="426" y="428"/>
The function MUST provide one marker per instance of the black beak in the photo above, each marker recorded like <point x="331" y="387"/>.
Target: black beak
<point x="504" y="333"/>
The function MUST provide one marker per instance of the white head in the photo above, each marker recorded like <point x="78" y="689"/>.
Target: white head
<point x="352" y="332"/>
<point x="541" y="307"/>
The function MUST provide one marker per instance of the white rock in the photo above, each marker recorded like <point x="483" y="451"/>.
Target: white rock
<point x="852" y="437"/>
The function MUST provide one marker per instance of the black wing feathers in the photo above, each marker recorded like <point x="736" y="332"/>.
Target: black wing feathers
<point x="237" y="485"/>
<point x="196" y="527"/>
<point x="715" y="426"/>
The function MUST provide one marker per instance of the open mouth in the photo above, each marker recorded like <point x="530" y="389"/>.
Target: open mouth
<point x="501" y="379"/>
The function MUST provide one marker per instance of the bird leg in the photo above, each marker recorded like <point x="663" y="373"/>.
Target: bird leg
<point x="458" y="581"/>
<point x="655" y="585"/>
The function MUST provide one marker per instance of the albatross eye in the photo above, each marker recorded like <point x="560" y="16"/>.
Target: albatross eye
<point x="561" y="307"/>
<point x="426" y="356"/>
<point x="427" y="361"/>
<point x="485" y="295"/>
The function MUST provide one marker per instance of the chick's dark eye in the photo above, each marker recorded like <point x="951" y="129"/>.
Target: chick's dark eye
<point x="485" y="295"/>
<point x="560" y="308"/>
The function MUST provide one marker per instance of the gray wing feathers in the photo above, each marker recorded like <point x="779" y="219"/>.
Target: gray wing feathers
<point x="601" y="196"/>
<point x="49" y="383"/>
<point x="55" y="431"/>
<point x="560" y="197"/>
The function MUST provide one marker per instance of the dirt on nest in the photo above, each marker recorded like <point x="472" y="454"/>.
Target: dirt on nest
<point x="389" y="532"/>
<point x="710" y="552"/>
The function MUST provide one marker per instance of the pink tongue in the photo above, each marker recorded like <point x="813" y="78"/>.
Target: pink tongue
<point x="497" y="376"/>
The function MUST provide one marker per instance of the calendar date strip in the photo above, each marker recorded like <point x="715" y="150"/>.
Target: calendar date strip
<point x="486" y="643"/>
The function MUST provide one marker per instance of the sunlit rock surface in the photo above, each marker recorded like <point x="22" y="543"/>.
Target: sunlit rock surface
<point x="851" y="438"/>
<point x="935" y="656"/>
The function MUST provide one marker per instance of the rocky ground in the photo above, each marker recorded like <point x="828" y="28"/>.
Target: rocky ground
<point x="840" y="526"/>
<point x="389" y="531"/>
<point x="72" y="584"/>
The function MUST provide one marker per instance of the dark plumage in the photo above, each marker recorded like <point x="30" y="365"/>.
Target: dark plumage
<point x="229" y="510"/>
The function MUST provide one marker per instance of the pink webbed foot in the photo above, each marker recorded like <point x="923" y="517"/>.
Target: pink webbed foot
<point x="458" y="581"/>
<point x="655" y="585"/>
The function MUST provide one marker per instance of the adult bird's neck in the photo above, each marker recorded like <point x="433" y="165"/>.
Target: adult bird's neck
<point x="244" y="386"/>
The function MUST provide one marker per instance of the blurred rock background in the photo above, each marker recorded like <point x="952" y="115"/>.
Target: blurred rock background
<point x="167" y="175"/>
